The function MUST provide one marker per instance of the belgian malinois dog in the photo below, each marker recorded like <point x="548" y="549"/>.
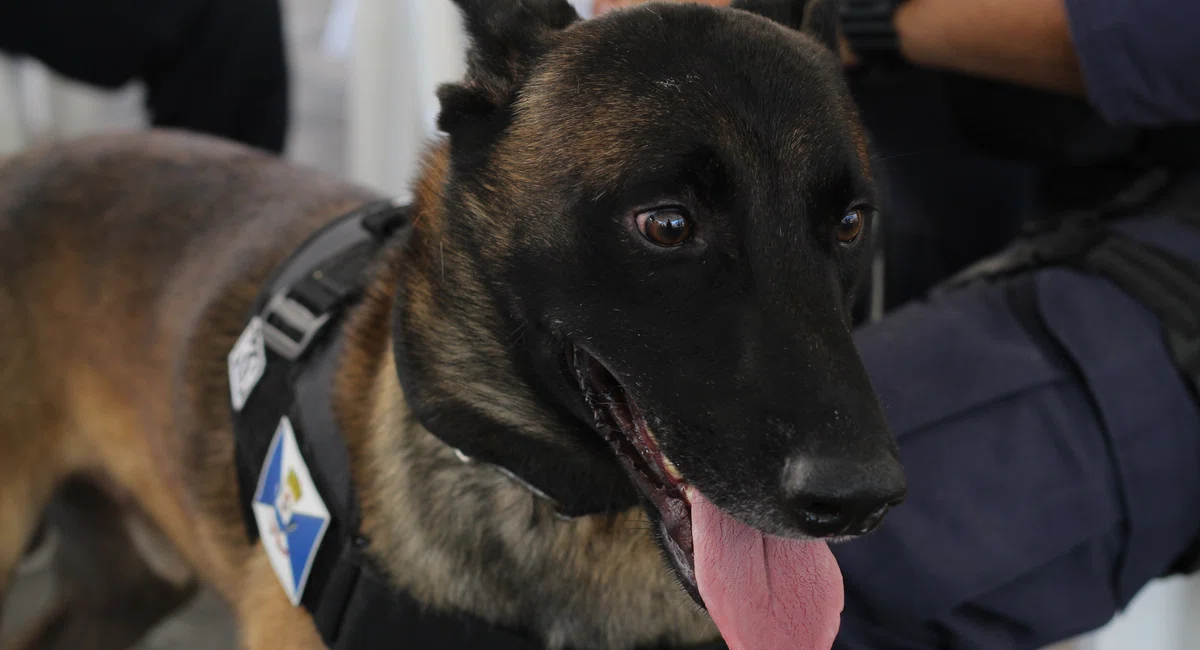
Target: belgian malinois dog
<point x="628" y="279"/>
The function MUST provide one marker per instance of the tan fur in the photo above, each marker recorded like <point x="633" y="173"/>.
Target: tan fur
<point x="599" y="564"/>
<point x="107" y="593"/>
<point x="267" y="616"/>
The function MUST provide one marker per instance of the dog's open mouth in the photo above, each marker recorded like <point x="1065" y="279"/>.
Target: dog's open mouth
<point x="624" y="426"/>
<point x="761" y="591"/>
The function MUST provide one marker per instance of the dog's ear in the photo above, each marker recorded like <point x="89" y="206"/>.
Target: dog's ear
<point x="817" y="18"/>
<point x="506" y="38"/>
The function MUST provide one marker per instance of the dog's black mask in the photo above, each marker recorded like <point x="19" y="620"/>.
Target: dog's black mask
<point x="655" y="223"/>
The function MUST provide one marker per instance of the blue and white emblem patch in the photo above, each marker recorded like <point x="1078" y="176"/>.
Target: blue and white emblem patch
<point x="291" y="516"/>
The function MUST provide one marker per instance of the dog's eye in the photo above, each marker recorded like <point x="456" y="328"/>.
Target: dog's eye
<point x="665" y="226"/>
<point x="850" y="227"/>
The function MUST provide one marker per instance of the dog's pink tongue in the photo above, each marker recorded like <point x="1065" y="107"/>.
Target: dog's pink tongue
<point x="764" y="593"/>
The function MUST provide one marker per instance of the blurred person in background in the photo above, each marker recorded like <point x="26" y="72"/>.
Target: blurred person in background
<point x="211" y="66"/>
<point x="1046" y="410"/>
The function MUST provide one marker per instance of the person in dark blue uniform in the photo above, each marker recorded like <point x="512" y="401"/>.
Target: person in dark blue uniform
<point x="1048" y="423"/>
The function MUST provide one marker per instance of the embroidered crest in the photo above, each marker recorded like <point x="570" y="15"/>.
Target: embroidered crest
<point x="291" y="516"/>
<point x="247" y="362"/>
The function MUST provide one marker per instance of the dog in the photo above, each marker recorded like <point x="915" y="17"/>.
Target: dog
<point x="627" y="281"/>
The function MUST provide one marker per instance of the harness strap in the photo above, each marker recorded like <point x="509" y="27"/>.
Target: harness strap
<point x="300" y="305"/>
<point x="297" y="315"/>
<point x="1165" y="283"/>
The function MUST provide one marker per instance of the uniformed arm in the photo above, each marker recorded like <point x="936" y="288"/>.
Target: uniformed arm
<point x="1140" y="58"/>
<point x="1135" y="59"/>
<point x="1027" y="42"/>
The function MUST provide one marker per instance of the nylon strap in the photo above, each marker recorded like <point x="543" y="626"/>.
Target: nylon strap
<point x="300" y="306"/>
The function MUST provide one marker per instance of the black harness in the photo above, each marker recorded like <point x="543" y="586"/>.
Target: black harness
<point x="299" y="315"/>
<point x="1167" y="284"/>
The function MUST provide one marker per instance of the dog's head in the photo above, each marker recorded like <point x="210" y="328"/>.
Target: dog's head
<point x="652" y="228"/>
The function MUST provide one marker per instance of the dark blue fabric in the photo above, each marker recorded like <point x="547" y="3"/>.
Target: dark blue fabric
<point x="1140" y="58"/>
<point x="947" y="204"/>
<point x="1053" y="455"/>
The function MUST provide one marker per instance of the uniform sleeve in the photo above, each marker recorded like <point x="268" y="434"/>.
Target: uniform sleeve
<point x="1140" y="58"/>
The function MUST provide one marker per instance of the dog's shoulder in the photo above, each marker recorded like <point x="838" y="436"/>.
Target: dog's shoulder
<point x="138" y="256"/>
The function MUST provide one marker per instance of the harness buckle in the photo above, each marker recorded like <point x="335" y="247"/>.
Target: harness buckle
<point x="289" y="327"/>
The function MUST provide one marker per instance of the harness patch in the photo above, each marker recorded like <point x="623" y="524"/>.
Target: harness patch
<point x="292" y="517"/>
<point x="247" y="362"/>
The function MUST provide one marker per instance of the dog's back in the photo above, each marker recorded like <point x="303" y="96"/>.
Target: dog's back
<point x="113" y="252"/>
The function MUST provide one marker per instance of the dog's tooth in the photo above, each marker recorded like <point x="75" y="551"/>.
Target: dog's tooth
<point x="672" y="471"/>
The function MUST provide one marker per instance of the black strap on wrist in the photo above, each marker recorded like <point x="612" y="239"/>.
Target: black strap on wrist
<point x="870" y="29"/>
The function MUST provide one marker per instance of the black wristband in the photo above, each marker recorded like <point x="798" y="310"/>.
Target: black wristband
<point x="869" y="28"/>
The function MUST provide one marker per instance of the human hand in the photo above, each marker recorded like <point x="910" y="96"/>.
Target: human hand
<point x="602" y="6"/>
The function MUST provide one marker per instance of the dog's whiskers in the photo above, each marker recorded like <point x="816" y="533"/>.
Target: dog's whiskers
<point x="880" y="159"/>
<point x="518" y="334"/>
<point x="685" y="602"/>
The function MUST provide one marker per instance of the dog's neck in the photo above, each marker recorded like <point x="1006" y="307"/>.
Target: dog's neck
<point x="464" y="535"/>
<point x="473" y="367"/>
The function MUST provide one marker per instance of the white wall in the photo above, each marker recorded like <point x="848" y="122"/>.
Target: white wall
<point x="1165" y="616"/>
<point x="402" y="51"/>
<point x="36" y="105"/>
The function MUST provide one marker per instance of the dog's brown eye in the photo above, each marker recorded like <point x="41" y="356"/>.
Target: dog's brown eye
<point x="665" y="227"/>
<point x="850" y="226"/>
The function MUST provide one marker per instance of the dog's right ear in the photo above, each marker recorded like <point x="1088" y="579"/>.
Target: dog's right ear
<point x="817" y="18"/>
<point x="506" y="36"/>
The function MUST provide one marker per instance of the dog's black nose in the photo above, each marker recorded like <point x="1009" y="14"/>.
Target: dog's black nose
<point x="835" y="498"/>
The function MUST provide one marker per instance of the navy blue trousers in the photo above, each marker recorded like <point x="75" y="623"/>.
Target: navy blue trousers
<point x="1053" y="457"/>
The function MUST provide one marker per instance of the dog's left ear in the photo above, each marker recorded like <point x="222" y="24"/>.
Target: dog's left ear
<point x="817" y="18"/>
<point x="506" y="36"/>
